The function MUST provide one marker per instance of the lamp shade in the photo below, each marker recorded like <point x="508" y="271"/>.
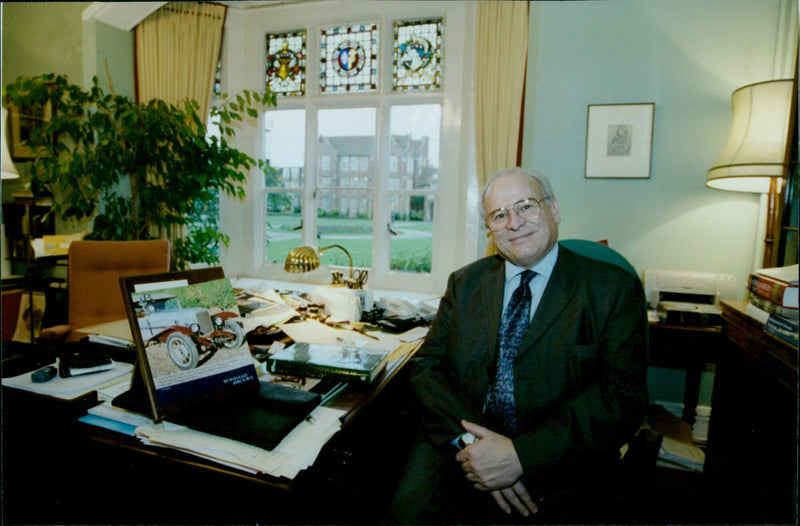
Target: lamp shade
<point x="306" y="258"/>
<point x="756" y="147"/>
<point x="301" y="259"/>
<point x="9" y="170"/>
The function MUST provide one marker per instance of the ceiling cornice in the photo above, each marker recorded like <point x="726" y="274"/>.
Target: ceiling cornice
<point x="122" y="15"/>
<point x="127" y="15"/>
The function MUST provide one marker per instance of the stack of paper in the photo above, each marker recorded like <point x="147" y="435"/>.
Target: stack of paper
<point x="73" y="386"/>
<point x="297" y="451"/>
<point x="675" y="453"/>
<point x="116" y="333"/>
<point x="116" y="419"/>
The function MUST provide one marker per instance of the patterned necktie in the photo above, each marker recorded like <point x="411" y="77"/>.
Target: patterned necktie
<point x="500" y="399"/>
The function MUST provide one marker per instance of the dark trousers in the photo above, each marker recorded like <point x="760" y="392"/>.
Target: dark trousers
<point x="433" y="490"/>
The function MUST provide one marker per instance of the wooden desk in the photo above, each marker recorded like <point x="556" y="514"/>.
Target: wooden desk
<point x="58" y="470"/>
<point x="750" y="473"/>
<point x="752" y="447"/>
<point x="686" y="348"/>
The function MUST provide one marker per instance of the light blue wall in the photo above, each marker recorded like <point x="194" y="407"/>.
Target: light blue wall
<point x="108" y="54"/>
<point x="687" y="57"/>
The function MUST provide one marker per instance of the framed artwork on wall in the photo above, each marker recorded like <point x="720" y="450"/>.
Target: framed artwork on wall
<point x="619" y="140"/>
<point x="21" y="122"/>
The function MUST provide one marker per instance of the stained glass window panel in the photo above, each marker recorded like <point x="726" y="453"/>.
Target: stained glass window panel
<point x="349" y="59"/>
<point x="417" y="55"/>
<point x="286" y="63"/>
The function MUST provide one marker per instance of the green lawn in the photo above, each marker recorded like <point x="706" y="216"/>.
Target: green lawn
<point x="413" y="254"/>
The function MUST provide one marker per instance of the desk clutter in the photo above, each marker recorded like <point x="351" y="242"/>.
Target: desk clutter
<point x="293" y="453"/>
<point x="82" y="368"/>
<point x="206" y="383"/>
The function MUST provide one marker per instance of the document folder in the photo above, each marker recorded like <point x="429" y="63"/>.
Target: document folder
<point x="262" y="419"/>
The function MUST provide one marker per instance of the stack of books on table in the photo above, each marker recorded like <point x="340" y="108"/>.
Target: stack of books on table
<point x="347" y="363"/>
<point x="774" y="301"/>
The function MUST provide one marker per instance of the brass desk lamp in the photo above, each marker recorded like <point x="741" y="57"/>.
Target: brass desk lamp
<point x="306" y="258"/>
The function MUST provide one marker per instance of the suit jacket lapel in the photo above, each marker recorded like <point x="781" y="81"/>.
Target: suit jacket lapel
<point x="556" y="296"/>
<point x="492" y="284"/>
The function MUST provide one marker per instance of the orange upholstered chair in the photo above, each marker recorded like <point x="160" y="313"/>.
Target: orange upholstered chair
<point x="93" y="280"/>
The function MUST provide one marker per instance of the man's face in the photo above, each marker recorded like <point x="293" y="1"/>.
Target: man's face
<point x="522" y="242"/>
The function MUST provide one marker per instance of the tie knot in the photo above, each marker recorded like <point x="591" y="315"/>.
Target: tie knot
<point x="525" y="277"/>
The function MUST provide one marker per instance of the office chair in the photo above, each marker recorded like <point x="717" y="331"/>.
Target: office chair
<point x="94" y="294"/>
<point x="637" y="467"/>
<point x="599" y="251"/>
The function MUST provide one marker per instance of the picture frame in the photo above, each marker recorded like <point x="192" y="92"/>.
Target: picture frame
<point x="22" y="121"/>
<point x="619" y="140"/>
<point x="198" y="364"/>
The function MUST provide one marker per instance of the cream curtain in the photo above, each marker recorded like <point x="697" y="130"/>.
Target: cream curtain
<point x="177" y="51"/>
<point x="501" y="44"/>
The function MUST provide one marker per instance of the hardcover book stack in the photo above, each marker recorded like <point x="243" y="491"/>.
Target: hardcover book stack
<point x="774" y="301"/>
<point x="345" y="363"/>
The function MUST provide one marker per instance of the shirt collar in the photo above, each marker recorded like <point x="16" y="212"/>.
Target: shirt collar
<point x="543" y="268"/>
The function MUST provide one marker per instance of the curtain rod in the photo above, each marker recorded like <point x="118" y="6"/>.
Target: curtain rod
<point x="189" y="12"/>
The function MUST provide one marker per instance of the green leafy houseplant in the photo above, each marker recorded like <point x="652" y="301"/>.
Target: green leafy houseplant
<point x="140" y="171"/>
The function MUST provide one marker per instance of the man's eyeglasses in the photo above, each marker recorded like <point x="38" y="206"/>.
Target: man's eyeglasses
<point x="529" y="208"/>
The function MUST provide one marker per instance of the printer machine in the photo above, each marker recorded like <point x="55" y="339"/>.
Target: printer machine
<point x="683" y="297"/>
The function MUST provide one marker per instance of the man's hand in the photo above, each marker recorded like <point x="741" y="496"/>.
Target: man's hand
<point x="517" y="496"/>
<point x="491" y="464"/>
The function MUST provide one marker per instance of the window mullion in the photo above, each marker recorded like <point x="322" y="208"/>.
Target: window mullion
<point x="382" y="208"/>
<point x="310" y="182"/>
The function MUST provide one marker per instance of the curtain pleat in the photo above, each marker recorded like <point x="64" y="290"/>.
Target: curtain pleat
<point x="177" y="51"/>
<point x="501" y="49"/>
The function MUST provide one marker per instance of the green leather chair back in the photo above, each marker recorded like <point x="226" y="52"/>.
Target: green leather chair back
<point x="599" y="251"/>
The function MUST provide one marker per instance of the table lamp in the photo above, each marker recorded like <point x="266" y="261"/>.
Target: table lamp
<point x="9" y="170"/>
<point x="756" y="157"/>
<point x="306" y="258"/>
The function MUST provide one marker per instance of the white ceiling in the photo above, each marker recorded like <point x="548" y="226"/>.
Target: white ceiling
<point x="122" y="15"/>
<point x="126" y="15"/>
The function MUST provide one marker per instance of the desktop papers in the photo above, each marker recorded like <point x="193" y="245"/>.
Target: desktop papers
<point x="116" y="333"/>
<point x="120" y="420"/>
<point x="312" y="331"/>
<point x="296" y="452"/>
<point x="263" y="309"/>
<point x="73" y="386"/>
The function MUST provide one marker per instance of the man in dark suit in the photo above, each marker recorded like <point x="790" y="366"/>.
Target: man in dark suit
<point x="539" y="426"/>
